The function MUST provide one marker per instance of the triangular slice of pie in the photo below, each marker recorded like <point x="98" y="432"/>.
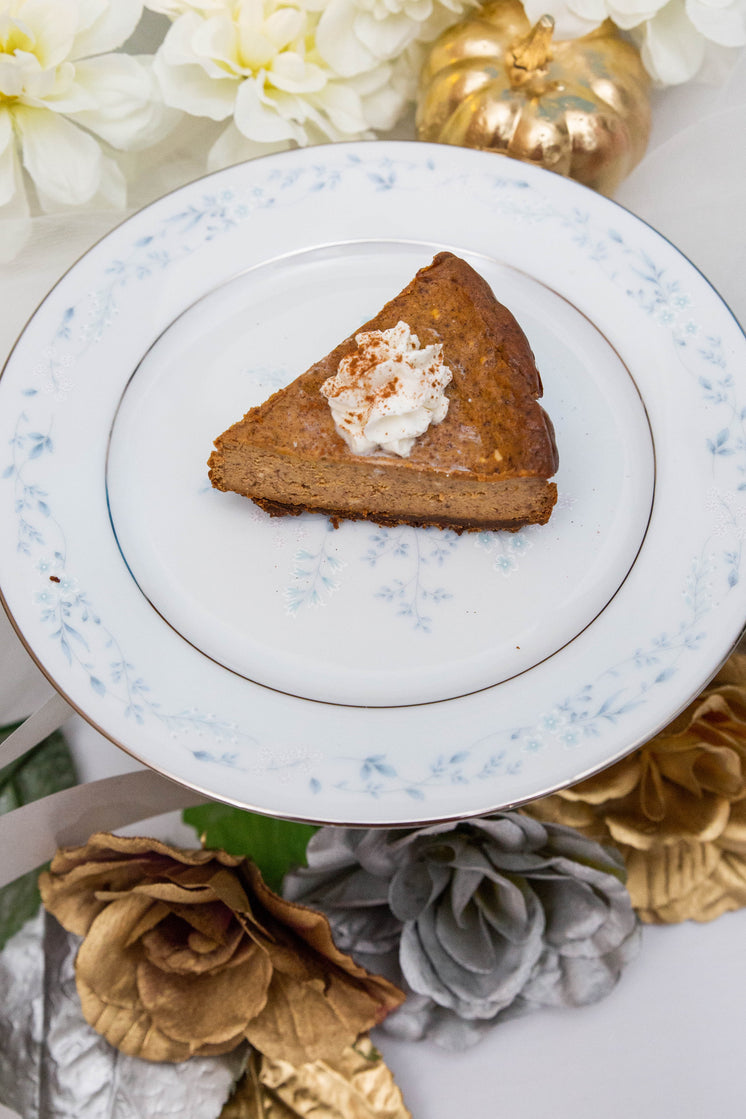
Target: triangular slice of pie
<point x="485" y="460"/>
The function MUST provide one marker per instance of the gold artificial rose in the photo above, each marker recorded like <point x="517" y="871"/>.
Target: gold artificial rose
<point x="675" y="808"/>
<point x="189" y="953"/>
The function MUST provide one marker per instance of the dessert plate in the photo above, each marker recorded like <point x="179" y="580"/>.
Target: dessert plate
<point x="365" y="675"/>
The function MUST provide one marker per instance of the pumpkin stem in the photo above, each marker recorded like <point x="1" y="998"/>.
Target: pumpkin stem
<point x="530" y="54"/>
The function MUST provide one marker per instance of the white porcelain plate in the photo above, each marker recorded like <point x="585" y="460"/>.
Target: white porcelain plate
<point x="368" y="675"/>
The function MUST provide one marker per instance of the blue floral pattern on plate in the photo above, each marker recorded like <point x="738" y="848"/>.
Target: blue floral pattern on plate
<point x="186" y="224"/>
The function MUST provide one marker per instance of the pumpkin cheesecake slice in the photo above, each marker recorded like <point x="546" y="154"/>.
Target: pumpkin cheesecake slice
<point x="427" y="415"/>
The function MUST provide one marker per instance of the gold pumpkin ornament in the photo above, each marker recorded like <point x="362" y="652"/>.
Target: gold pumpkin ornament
<point x="579" y="107"/>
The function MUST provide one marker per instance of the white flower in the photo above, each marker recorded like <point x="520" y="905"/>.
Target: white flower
<point x="61" y="93"/>
<point x="174" y="8"/>
<point x="256" y="64"/>
<point x="674" y="37"/>
<point x="355" y="34"/>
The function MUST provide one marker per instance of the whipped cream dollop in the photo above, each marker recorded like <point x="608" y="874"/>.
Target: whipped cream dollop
<point x="388" y="392"/>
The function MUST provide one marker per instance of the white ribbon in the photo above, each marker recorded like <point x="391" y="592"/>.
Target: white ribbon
<point x="35" y="729"/>
<point x="30" y="835"/>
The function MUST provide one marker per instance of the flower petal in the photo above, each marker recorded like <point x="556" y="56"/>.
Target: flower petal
<point x="385" y="38"/>
<point x="104" y="25"/>
<point x="630" y="13"/>
<point x="212" y="1008"/>
<point x="233" y="147"/>
<point x="383" y="107"/>
<point x="12" y="76"/>
<point x="177" y="47"/>
<point x="6" y="134"/>
<point x="207" y="43"/>
<point x="127" y="110"/>
<point x="63" y="161"/>
<point x="106" y="979"/>
<point x="343" y="107"/>
<point x="53" y="27"/>
<point x="172" y="8"/>
<point x="337" y="42"/>
<point x="110" y="932"/>
<point x="260" y="118"/>
<point x="214" y="44"/>
<point x="188" y="87"/>
<point x="293" y="74"/>
<point x="480" y="946"/>
<point x="283" y="26"/>
<point x="672" y="49"/>
<point x="188" y="90"/>
<point x="724" y="24"/>
<point x="594" y="11"/>
<point x="209" y="1008"/>
<point x="66" y="95"/>
<point x="10" y="171"/>
<point x="175" y="945"/>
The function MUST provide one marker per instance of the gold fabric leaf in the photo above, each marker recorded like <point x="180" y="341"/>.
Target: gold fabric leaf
<point x="188" y="953"/>
<point x="317" y="994"/>
<point x="678" y="881"/>
<point x="356" y="1085"/>
<point x="675" y="808"/>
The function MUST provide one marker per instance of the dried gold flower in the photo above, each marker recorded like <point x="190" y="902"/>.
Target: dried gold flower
<point x="676" y="808"/>
<point x="189" y="952"/>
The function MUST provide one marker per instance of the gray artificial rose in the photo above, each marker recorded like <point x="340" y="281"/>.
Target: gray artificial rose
<point x="477" y="921"/>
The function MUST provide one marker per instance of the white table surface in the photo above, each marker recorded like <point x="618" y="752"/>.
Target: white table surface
<point x="669" y="1040"/>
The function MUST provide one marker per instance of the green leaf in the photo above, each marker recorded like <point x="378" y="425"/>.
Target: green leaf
<point x="276" y="846"/>
<point x="45" y="769"/>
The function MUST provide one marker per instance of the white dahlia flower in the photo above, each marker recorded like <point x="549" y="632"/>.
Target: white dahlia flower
<point x="256" y="64"/>
<point x="355" y="34"/>
<point x="675" y="37"/>
<point x="62" y="92"/>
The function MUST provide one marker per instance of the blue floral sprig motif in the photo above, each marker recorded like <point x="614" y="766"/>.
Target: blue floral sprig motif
<point x="30" y="500"/>
<point x="149" y="255"/>
<point x="178" y="236"/>
<point x="416" y="550"/>
<point x="584" y="714"/>
<point x="730" y="524"/>
<point x="663" y="299"/>
<point x="730" y="439"/>
<point x="315" y="575"/>
<point x="73" y="624"/>
<point x="505" y="548"/>
<point x="267" y="378"/>
<point x="168" y="240"/>
<point x="701" y="354"/>
<point x="646" y="283"/>
<point x="380" y="775"/>
<point x="384" y="174"/>
<point x="86" y="642"/>
<point x="594" y="705"/>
